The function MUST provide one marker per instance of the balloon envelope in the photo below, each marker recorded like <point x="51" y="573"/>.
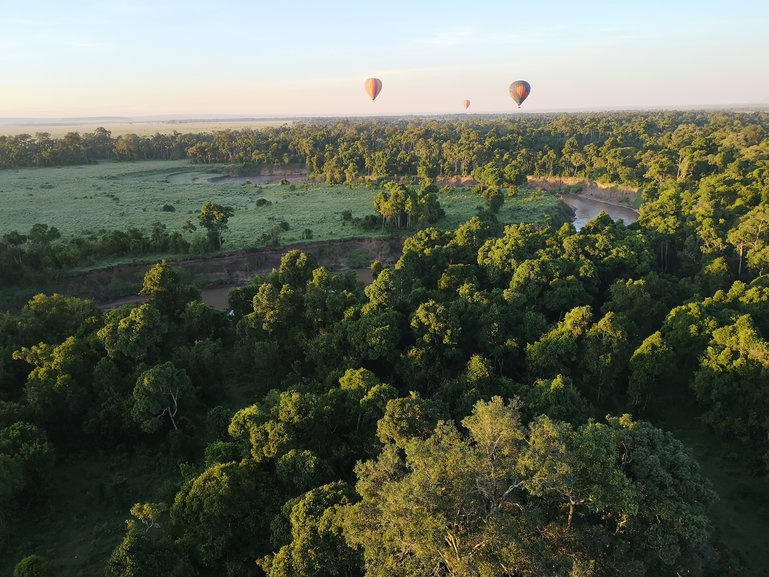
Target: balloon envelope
<point x="373" y="87"/>
<point x="520" y="90"/>
<point x="465" y="103"/>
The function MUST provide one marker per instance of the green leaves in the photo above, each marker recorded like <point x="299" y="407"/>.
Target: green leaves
<point x="616" y="496"/>
<point x="213" y="218"/>
<point x="317" y="547"/>
<point x="733" y="380"/>
<point x="157" y="393"/>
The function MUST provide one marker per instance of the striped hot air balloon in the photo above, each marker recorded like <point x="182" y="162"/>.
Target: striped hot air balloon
<point x="373" y="87"/>
<point x="520" y="90"/>
<point x="466" y="103"/>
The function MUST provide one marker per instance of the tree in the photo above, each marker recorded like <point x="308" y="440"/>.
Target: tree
<point x="28" y="446"/>
<point x="213" y="218"/>
<point x="493" y="198"/>
<point x="618" y="498"/>
<point x="301" y="470"/>
<point x="296" y="269"/>
<point x="407" y="418"/>
<point x="136" y="336"/>
<point x="557" y="352"/>
<point x="652" y="363"/>
<point x="11" y="480"/>
<point x="165" y="290"/>
<point x="31" y="566"/>
<point x="751" y="232"/>
<point x="733" y="381"/>
<point x="317" y="547"/>
<point x="157" y="393"/>
<point x="53" y="318"/>
<point x="224" y="515"/>
<point x="58" y="387"/>
<point x="148" y="548"/>
<point x="662" y="216"/>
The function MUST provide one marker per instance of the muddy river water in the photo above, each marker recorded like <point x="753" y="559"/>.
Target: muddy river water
<point x="587" y="209"/>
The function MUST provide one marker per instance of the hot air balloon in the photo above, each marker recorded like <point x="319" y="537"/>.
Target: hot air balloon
<point x="520" y="90"/>
<point x="465" y="103"/>
<point x="373" y="87"/>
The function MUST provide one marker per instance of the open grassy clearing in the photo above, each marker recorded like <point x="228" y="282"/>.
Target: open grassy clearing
<point x="81" y="519"/>
<point x="741" y="514"/>
<point x="81" y="200"/>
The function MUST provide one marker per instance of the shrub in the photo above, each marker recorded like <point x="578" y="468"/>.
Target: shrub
<point x="31" y="566"/>
<point x="199" y="244"/>
<point x="168" y="208"/>
<point x="368" y="222"/>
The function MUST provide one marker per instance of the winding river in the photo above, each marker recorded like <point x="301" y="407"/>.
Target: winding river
<point x="587" y="209"/>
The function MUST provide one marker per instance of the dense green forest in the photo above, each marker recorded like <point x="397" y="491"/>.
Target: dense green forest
<point x="492" y="404"/>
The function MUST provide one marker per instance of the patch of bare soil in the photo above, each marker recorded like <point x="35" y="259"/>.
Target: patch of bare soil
<point x="456" y="181"/>
<point x="113" y="286"/>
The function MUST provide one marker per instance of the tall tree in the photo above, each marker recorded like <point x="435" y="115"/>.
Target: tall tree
<point x="214" y="218"/>
<point x="157" y="393"/>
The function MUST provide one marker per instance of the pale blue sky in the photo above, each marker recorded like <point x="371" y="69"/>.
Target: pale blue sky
<point x="141" y="57"/>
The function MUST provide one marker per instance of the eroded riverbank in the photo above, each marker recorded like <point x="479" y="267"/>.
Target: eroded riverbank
<point x="217" y="275"/>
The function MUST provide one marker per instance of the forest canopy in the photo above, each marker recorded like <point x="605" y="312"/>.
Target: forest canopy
<point x="491" y="404"/>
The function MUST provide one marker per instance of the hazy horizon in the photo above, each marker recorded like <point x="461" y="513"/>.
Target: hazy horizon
<point x="175" y="59"/>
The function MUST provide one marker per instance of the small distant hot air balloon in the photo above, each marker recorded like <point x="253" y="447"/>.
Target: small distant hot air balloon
<point x="466" y="103"/>
<point x="373" y="87"/>
<point x="520" y="90"/>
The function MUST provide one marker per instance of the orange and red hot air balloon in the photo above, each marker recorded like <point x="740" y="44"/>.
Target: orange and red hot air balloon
<point x="466" y="103"/>
<point x="520" y="90"/>
<point x="373" y="87"/>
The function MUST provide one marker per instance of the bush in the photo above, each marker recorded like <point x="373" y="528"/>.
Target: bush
<point x="31" y="566"/>
<point x="346" y="215"/>
<point x="284" y="225"/>
<point x="168" y="208"/>
<point x="307" y="234"/>
<point x="368" y="222"/>
<point x="248" y="169"/>
<point x="262" y="202"/>
<point x="199" y="244"/>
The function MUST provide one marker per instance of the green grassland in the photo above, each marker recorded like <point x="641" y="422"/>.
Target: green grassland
<point x="80" y="520"/>
<point x="82" y="200"/>
<point x="741" y="513"/>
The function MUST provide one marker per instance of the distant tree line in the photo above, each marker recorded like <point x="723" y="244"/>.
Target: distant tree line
<point x="629" y="148"/>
